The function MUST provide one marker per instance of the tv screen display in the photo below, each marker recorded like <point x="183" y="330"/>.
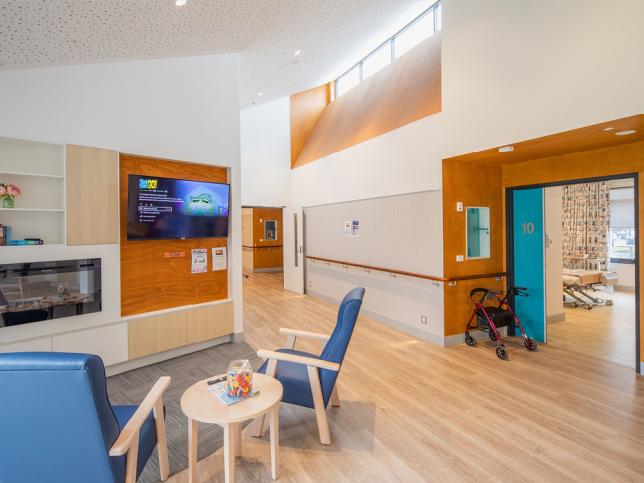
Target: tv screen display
<point x="160" y="208"/>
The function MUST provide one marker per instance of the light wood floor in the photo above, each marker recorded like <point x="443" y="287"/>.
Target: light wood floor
<point x="606" y="332"/>
<point x="413" y="411"/>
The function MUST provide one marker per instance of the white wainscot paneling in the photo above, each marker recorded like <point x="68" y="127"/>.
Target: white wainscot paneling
<point x="37" y="345"/>
<point x="109" y="342"/>
<point x="399" y="301"/>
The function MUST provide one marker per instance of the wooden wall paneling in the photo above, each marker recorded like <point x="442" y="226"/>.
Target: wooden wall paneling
<point x="156" y="333"/>
<point x="268" y="257"/>
<point x="259" y="216"/>
<point x="152" y="278"/>
<point x="457" y="309"/>
<point x="247" y="258"/>
<point x="92" y="196"/>
<point x="247" y="227"/>
<point x="405" y="91"/>
<point x="209" y="322"/>
<point x="305" y="110"/>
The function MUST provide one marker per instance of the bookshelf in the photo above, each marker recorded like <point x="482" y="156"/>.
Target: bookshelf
<point x="38" y="169"/>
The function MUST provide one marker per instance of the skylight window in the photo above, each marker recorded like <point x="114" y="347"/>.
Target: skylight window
<point x="419" y="29"/>
<point x="414" y="34"/>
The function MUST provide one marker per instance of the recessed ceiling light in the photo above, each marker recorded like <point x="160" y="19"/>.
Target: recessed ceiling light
<point x="260" y="94"/>
<point x="297" y="52"/>
<point x="180" y="3"/>
<point x="608" y="128"/>
<point x="506" y="149"/>
<point x="625" y="133"/>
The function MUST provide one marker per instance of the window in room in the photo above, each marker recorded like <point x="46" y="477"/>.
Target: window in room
<point x="419" y="29"/>
<point x="622" y="225"/>
<point x="348" y="81"/>
<point x="414" y="34"/>
<point x="377" y="60"/>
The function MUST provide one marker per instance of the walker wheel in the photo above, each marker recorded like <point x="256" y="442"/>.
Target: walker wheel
<point x="588" y="306"/>
<point x="492" y="336"/>
<point x="530" y="344"/>
<point x="469" y="340"/>
<point x="609" y="302"/>
<point x="501" y="353"/>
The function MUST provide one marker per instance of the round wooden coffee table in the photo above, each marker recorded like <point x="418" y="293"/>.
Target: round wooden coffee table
<point x="200" y="405"/>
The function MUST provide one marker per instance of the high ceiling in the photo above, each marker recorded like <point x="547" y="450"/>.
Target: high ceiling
<point x="332" y="35"/>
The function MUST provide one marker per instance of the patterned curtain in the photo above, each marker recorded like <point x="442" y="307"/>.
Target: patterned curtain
<point x="585" y="224"/>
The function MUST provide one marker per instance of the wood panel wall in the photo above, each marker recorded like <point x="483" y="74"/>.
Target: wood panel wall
<point x="92" y="191"/>
<point x="306" y="108"/>
<point x="258" y="253"/>
<point x="473" y="185"/>
<point x="405" y="91"/>
<point x="152" y="276"/>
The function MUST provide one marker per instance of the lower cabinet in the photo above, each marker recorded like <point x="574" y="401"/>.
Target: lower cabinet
<point x="158" y="333"/>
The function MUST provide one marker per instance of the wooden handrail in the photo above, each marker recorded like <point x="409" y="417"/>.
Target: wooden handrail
<point x="409" y="274"/>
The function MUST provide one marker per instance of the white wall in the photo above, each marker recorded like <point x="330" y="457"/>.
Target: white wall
<point x="266" y="153"/>
<point x="510" y="71"/>
<point x="554" y="252"/>
<point x="185" y="108"/>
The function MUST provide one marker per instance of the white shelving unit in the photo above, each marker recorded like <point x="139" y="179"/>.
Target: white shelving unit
<point x="38" y="169"/>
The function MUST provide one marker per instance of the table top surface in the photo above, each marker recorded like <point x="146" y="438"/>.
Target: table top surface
<point x="200" y="404"/>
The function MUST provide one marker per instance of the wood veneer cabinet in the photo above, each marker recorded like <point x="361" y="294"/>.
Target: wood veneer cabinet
<point x="92" y="196"/>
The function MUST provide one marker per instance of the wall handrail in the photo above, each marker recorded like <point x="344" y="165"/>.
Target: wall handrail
<point x="408" y="274"/>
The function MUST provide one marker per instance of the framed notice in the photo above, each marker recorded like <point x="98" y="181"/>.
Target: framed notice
<point x="270" y="230"/>
<point x="199" y="260"/>
<point x="218" y="258"/>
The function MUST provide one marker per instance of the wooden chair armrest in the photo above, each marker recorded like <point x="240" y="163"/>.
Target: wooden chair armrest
<point x="307" y="361"/>
<point x="304" y="333"/>
<point x="133" y="426"/>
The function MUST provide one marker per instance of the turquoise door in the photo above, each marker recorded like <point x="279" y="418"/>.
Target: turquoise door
<point x="529" y="260"/>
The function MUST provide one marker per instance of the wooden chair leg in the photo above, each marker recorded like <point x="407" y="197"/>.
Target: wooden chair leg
<point x="162" y="445"/>
<point x="131" y="461"/>
<point x="335" y="396"/>
<point x="318" y="403"/>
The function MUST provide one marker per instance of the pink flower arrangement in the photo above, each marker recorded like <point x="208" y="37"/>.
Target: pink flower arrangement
<point x="8" y="193"/>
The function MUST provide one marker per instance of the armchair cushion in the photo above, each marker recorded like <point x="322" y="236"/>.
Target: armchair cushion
<point x="295" y="379"/>
<point x="147" y="438"/>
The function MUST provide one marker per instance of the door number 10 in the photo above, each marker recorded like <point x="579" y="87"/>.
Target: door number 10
<point x="528" y="228"/>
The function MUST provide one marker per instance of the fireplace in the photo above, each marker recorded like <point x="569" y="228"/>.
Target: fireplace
<point x="35" y="291"/>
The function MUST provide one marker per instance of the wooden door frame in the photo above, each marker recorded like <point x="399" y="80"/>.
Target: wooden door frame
<point x="509" y="238"/>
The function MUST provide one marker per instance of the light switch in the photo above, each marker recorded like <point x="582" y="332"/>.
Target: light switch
<point x="460" y="258"/>
<point x="459" y="206"/>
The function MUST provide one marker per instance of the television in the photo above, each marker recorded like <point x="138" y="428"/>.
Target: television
<point x="165" y="208"/>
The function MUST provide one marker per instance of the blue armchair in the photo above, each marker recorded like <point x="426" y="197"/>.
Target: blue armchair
<point x="57" y="424"/>
<point x="310" y="380"/>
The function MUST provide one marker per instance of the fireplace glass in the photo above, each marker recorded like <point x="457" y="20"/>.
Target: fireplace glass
<point x="31" y="292"/>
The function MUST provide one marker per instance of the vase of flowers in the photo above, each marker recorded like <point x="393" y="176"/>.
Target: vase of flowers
<point x="8" y="193"/>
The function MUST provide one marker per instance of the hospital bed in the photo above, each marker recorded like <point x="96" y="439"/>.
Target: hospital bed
<point x="578" y="283"/>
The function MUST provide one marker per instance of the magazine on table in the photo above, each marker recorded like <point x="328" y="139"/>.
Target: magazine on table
<point x="219" y="390"/>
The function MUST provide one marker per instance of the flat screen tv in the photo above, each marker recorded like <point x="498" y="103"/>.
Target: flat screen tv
<point x="164" y="208"/>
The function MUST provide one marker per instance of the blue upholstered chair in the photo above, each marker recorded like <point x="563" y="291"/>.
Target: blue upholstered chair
<point x="310" y="380"/>
<point x="57" y="424"/>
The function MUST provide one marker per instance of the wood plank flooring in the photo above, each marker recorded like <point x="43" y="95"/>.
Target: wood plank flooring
<point x="607" y="332"/>
<point x="413" y="411"/>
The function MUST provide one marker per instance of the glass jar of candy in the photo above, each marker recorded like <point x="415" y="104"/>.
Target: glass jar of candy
<point x="239" y="380"/>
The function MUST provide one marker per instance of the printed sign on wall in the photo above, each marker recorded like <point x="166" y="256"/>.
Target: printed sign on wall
<point x="199" y="260"/>
<point x="218" y="258"/>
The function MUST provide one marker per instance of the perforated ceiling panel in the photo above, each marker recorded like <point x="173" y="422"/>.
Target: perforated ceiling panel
<point x="330" y="34"/>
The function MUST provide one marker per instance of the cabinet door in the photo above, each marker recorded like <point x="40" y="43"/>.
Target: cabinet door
<point x="92" y="196"/>
<point x="209" y="321"/>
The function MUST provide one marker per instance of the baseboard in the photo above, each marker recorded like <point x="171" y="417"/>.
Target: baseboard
<point x="268" y="270"/>
<point x="554" y="318"/>
<point x="237" y="337"/>
<point x="394" y="324"/>
<point x="163" y="356"/>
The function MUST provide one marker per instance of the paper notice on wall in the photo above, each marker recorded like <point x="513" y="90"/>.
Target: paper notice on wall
<point x="355" y="228"/>
<point x="347" y="228"/>
<point x="218" y="258"/>
<point x="199" y="260"/>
